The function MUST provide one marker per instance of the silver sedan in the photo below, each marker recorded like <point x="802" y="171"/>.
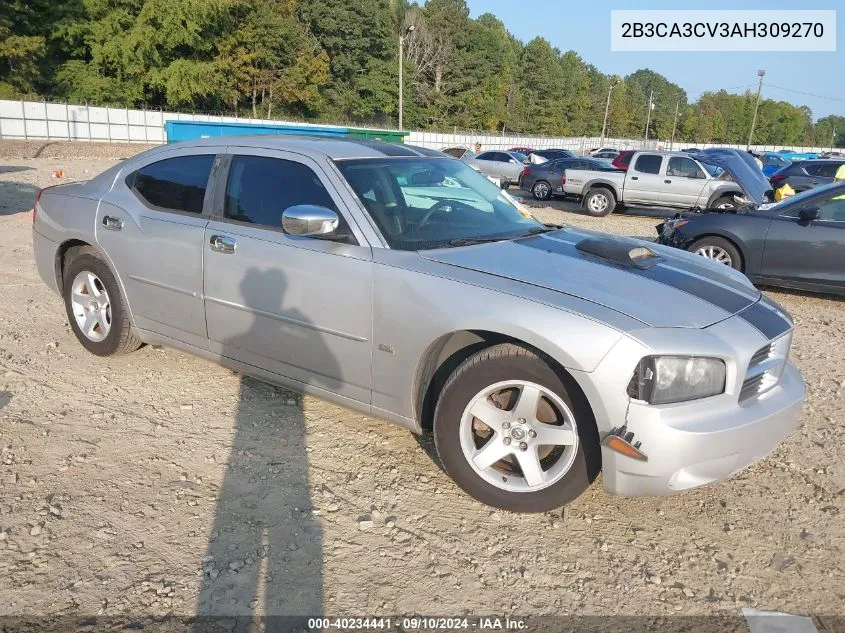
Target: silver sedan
<point x="403" y="284"/>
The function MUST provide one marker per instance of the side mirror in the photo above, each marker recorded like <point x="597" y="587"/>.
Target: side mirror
<point x="309" y="220"/>
<point x="809" y="214"/>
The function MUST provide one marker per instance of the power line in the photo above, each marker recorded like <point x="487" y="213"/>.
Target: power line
<point x="701" y="92"/>
<point x="806" y="94"/>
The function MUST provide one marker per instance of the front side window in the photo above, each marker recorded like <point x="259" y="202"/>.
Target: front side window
<point x="423" y="203"/>
<point x="260" y="188"/>
<point x="174" y="184"/>
<point x="648" y="164"/>
<point x="829" y="207"/>
<point x="684" y="168"/>
<point x="833" y="210"/>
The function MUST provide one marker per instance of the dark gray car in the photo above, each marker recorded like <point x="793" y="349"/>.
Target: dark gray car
<point x="806" y="174"/>
<point x="546" y="179"/>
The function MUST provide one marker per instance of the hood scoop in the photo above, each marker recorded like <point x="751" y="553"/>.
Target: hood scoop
<point x="619" y="252"/>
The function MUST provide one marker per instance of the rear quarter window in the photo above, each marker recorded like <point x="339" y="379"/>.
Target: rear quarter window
<point x="173" y="184"/>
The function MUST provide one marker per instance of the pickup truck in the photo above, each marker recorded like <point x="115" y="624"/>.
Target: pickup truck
<point x="655" y="179"/>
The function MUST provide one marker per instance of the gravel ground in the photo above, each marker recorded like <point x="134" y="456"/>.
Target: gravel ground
<point x="159" y="483"/>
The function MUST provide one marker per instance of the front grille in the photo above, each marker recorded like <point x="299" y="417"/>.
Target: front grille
<point x="760" y="355"/>
<point x="751" y="387"/>
<point x="765" y="367"/>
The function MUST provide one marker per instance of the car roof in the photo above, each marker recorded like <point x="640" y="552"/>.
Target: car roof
<point x="334" y="148"/>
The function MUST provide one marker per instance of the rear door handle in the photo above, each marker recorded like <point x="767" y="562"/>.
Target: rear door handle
<point x="635" y="177"/>
<point x="814" y="182"/>
<point x="222" y="244"/>
<point x="111" y="223"/>
<point x="668" y="182"/>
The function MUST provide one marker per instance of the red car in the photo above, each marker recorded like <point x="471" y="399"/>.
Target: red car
<point x="623" y="161"/>
<point x="521" y="150"/>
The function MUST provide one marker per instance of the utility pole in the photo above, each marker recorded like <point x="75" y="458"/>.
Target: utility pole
<point x="833" y="139"/>
<point x="648" y="118"/>
<point x="402" y="35"/>
<point x="760" y="73"/>
<point x="606" y="111"/>
<point x="674" y="124"/>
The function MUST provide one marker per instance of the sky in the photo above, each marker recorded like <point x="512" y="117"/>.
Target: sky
<point x="585" y="28"/>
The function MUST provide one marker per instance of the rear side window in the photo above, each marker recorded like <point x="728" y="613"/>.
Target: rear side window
<point x="648" y="164"/>
<point x="683" y="167"/>
<point x="260" y="188"/>
<point x="823" y="170"/>
<point x="486" y="156"/>
<point x="175" y="184"/>
<point x="828" y="170"/>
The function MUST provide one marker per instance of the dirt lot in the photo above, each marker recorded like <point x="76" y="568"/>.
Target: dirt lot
<point x="158" y="483"/>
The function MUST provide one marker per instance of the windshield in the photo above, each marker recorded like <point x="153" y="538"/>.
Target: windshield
<point x="713" y="170"/>
<point x="423" y="203"/>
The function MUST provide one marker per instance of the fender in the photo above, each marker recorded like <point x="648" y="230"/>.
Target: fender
<point x="597" y="183"/>
<point x="722" y="192"/>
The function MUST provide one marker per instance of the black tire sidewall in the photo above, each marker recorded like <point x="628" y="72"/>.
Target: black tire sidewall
<point x="611" y="202"/>
<point x="96" y="265"/>
<point x="454" y="400"/>
<point x="727" y="199"/>
<point x="733" y="251"/>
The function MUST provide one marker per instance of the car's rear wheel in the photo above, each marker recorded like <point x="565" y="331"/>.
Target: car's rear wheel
<point x="95" y="306"/>
<point x="599" y="202"/>
<point x="541" y="190"/>
<point x="514" y="432"/>
<point x="719" y="250"/>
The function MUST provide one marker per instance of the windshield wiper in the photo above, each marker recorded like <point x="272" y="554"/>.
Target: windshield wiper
<point x="540" y="229"/>
<point x="468" y="241"/>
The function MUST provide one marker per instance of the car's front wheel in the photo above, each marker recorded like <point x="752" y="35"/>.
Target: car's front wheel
<point x="516" y="433"/>
<point x="95" y="307"/>
<point x="719" y="250"/>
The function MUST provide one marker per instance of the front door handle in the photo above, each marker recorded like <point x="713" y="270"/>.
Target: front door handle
<point x="635" y="177"/>
<point x="222" y="244"/>
<point x="814" y="182"/>
<point x="111" y="223"/>
<point x="668" y="182"/>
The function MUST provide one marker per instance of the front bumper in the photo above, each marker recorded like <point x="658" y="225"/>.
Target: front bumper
<point x="684" y="454"/>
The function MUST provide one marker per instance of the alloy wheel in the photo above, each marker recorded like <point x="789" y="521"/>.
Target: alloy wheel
<point x="716" y="253"/>
<point x="91" y="306"/>
<point x="598" y="203"/>
<point x="519" y="436"/>
<point x="541" y="191"/>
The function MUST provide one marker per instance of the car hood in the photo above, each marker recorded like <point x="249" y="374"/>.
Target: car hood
<point x="742" y="167"/>
<point x="670" y="289"/>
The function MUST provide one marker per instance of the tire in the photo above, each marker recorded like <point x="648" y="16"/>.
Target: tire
<point x="86" y="275"/>
<point x="569" y="469"/>
<point x="725" y="202"/>
<point x="718" y="249"/>
<point x="541" y="190"/>
<point x="599" y="202"/>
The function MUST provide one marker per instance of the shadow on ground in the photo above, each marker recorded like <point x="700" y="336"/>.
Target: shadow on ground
<point x="15" y="197"/>
<point x="264" y="556"/>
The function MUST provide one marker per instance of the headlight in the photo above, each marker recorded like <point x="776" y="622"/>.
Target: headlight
<point x="665" y="379"/>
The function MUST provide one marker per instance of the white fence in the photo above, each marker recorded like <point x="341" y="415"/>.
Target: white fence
<point x="61" y="121"/>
